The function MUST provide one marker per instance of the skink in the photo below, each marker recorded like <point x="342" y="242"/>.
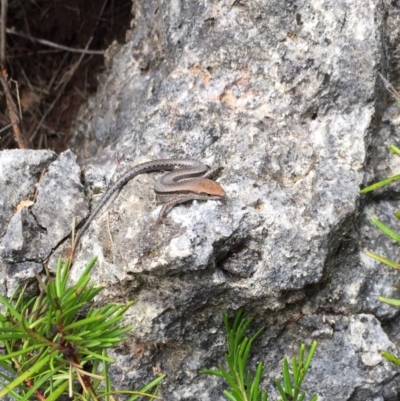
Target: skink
<point x="188" y="180"/>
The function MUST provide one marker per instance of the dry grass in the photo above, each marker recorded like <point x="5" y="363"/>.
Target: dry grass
<point x="49" y="81"/>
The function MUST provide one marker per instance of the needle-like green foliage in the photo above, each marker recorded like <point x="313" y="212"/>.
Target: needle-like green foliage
<point x="383" y="227"/>
<point x="55" y="343"/>
<point x="391" y="358"/>
<point x="292" y="380"/>
<point x="245" y="386"/>
<point x="242" y="386"/>
<point x="380" y="184"/>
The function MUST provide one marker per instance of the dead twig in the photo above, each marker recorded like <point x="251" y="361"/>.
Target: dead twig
<point x="23" y="143"/>
<point x="66" y="81"/>
<point x="52" y="44"/>
<point x="4" y="5"/>
<point x="60" y="92"/>
<point x="5" y="128"/>
<point x="32" y="53"/>
<point x="389" y="87"/>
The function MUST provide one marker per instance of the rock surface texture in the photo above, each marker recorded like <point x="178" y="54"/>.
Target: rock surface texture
<point x="284" y="95"/>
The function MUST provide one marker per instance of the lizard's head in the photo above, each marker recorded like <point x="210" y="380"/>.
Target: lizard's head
<point x="209" y="188"/>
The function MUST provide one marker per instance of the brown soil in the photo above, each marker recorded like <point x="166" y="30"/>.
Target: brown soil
<point x="38" y="73"/>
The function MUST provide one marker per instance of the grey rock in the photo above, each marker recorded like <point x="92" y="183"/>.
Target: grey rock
<point x="60" y="198"/>
<point x="23" y="239"/>
<point x="23" y="167"/>
<point x="284" y="96"/>
<point x="21" y="273"/>
<point x="345" y="363"/>
<point x="32" y="232"/>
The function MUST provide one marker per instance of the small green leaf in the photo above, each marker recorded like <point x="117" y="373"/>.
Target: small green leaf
<point x="10" y="308"/>
<point x="148" y="387"/>
<point x="103" y="326"/>
<point x="93" y="292"/>
<point x="13" y="329"/>
<point x="118" y="332"/>
<point x="8" y="356"/>
<point x="228" y="378"/>
<point x="295" y="369"/>
<point x="71" y="311"/>
<point x="22" y="377"/>
<point x="38" y="383"/>
<point x="386" y="261"/>
<point x="59" y="289"/>
<point x="91" y="343"/>
<point x="99" y="356"/>
<point x="310" y="355"/>
<point x="56" y="393"/>
<point x="86" y="272"/>
<point x="229" y="395"/>
<point x="256" y="383"/>
<point x="394" y="149"/>
<point x="65" y="276"/>
<point x="211" y="372"/>
<point x="9" y="368"/>
<point x="286" y="378"/>
<point x="281" y="391"/>
<point x="385" y="229"/>
<point x="12" y="336"/>
<point x="390" y="301"/>
<point x="72" y="337"/>
<point x="83" y="322"/>
<point x="380" y="184"/>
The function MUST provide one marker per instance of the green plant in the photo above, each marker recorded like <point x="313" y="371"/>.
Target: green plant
<point x="395" y="265"/>
<point x="380" y="184"/>
<point x="243" y="387"/>
<point x="383" y="227"/>
<point x="290" y="389"/>
<point x="50" y="347"/>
